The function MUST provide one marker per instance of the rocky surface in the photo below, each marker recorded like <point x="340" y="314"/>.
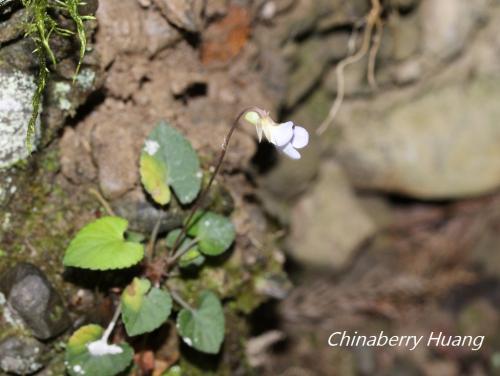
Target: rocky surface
<point x="21" y="355"/>
<point x="32" y="298"/>
<point x="328" y="224"/>
<point x="444" y="144"/>
<point x="16" y="91"/>
<point x="425" y="137"/>
<point x="172" y="85"/>
<point x="447" y="25"/>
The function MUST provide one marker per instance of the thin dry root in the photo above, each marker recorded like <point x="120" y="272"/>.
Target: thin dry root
<point x="372" y="56"/>
<point x="373" y="21"/>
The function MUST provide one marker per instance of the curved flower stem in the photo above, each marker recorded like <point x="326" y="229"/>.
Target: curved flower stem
<point x="205" y="191"/>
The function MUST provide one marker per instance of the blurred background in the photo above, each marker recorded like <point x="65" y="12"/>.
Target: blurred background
<point x="389" y="222"/>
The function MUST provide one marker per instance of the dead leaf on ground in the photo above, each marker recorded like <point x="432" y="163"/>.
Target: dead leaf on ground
<point x="224" y="39"/>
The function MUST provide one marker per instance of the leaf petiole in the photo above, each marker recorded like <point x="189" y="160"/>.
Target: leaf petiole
<point x="180" y="301"/>
<point x="182" y="251"/>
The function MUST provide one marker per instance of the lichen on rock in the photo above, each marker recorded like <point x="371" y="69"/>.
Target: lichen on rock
<point x="16" y="92"/>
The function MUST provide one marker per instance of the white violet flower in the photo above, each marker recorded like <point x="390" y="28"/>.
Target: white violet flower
<point x="287" y="137"/>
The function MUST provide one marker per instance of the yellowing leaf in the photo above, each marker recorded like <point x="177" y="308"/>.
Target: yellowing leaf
<point x="144" y="309"/>
<point x="79" y="360"/>
<point x="154" y="176"/>
<point x="169" y="146"/>
<point x="134" y="293"/>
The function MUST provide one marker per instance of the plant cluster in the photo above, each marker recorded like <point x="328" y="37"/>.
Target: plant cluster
<point x="168" y="162"/>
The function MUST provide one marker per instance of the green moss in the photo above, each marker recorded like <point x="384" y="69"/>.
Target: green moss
<point x="56" y="313"/>
<point x="41" y="218"/>
<point x="41" y="27"/>
<point x="50" y="162"/>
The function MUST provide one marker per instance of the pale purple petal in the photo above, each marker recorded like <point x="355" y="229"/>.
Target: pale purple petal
<point x="290" y="151"/>
<point x="282" y="134"/>
<point x="300" y="137"/>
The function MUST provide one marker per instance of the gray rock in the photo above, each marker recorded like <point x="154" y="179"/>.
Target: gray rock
<point x="143" y="215"/>
<point x="13" y="27"/>
<point x="21" y="355"/>
<point x="7" y="6"/>
<point x="118" y="33"/>
<point x="328" y="224"/>
<point x="321" y="15"/>
<point x="405" y="38"/>
<point x="185" y="14"/>
<point x="312" y="59"/>
<point x="116" y="179"/>
<point x="16" y="91"/>
<point x="354" y="79"/>
<point x="31" y="296"/>
<point x="447" y="24"/>
<point x="443" y="145"/>
<point x="405" y="5"/>
<point x="159" y="32"/>
<point x="407" y="71"/>
<point x="20" y="55"/>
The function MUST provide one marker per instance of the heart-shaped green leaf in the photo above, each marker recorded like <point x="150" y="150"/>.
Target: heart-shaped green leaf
<point x="215" y="232"/>
<point x="100" y="245"/>
<point x="154" y="178"/>
<point x="167" y="145"/>
<point x="203" y="328"/>
<point x="109" y="361"/>
<point x="144" y="308"/>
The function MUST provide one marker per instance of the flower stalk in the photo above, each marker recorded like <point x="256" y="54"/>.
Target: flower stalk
<point x="287" y="137"/>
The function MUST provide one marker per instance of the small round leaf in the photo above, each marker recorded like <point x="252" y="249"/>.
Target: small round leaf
<point x="215" y="232"/>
